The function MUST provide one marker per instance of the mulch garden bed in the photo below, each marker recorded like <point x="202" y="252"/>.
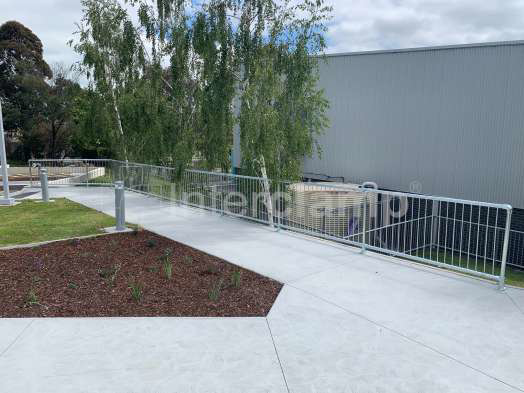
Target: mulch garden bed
<point x="127" y="274"/>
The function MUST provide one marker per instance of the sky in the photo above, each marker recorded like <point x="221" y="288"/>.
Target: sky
<point x="356" y="25"/>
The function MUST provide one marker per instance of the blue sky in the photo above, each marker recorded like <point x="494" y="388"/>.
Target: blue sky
<point x="357" y="24"/>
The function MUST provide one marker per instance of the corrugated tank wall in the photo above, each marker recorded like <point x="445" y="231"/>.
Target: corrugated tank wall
<point x="442" y="121"/>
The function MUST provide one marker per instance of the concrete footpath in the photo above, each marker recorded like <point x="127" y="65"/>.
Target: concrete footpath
<point x="344" y="322"/>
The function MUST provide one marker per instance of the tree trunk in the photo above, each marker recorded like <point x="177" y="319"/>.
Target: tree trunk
<point x="117" y="112"/>
<point x="119" y="123"/>
<point x="267" y="191"/>
<point x="53" y="139"/>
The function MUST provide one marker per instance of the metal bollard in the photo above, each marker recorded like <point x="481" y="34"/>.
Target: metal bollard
<point x="120" y="206"/>
<point x="44" y="185"/>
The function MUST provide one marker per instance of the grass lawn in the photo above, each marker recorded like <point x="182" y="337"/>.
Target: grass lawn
<point x="514" y="276"/>
<point x="106" y="179"/>
<point x="31" y="222"/>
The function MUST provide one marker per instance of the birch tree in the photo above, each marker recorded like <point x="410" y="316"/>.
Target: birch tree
<point x="112" y="57"/>
<point x="182" y="64"/>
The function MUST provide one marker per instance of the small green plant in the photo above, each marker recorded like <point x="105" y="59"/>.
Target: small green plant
<point x="136" y="291"/>
<point x="188" y="259"/>
<point x="152" y="269"/>
<point x="32" y="299"/>
<point x="214" y="293"/>
<point x="167" y="263"/>
<point x="236" y="278"/>
<point x="211" y="269"/>
<point x="110" y="273"/>
<point x="72" y="285"/>
<point x="112" y="278"/>
<point x="105" y="272"/>
<point x="151" y="243"/>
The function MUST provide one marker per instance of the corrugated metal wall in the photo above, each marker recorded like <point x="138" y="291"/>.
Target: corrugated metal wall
<point x="448" y="121"/>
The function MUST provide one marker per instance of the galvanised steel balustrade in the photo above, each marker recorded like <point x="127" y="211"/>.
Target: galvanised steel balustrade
<point x="466" y="236"/>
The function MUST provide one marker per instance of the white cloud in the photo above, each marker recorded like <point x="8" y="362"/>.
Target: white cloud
<point x="357" y="24"/>
<point x="53" y="21"/>
<point x="388" y="24"/>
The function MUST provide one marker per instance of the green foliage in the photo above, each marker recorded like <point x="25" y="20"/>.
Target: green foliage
<point x="151" y="243"/>
<point x="282" y="111"/>
<point x="32" y="298"/>
<point x="167" y="263"/>
<point x="23" y="108"/>
<point x="21" y="49"/>
<point x="110" y="273"/>
<point x="95" y="127"/>
<point x="57" y="120"/>
<point x="21" y="62"/>
<point x="136" y="291"/>
<point x="236" y="278"/>
<point x="245" y="63"/>
<point x="105" y="272"/>
<point x="111" y="56"/>
<point x="211" y="269"/>
<point x="214" y="293"/>
<point x="37" y="100"/>
<point x="144" y="108"/>
<point x="213" y="43"/>
<point x="152" y="269"/>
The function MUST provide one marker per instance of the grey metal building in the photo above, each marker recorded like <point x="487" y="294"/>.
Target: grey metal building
<point x="446" y="121"/>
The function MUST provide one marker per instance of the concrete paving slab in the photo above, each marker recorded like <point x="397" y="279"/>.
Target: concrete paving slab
<point x="517" y="296"/>
<point x="466" y="321"/>
<point x="464" y="318"/>
<point x="261" y="247"/>
<point x="10" y="330"/>
<point x="325" y="349"/>
<point x="143" y="355"/>
<point x="116" y="230"/>
<point x="262" y="252"/>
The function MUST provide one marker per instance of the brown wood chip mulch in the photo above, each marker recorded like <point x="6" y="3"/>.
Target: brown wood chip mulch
<point x="127" y="275"/>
